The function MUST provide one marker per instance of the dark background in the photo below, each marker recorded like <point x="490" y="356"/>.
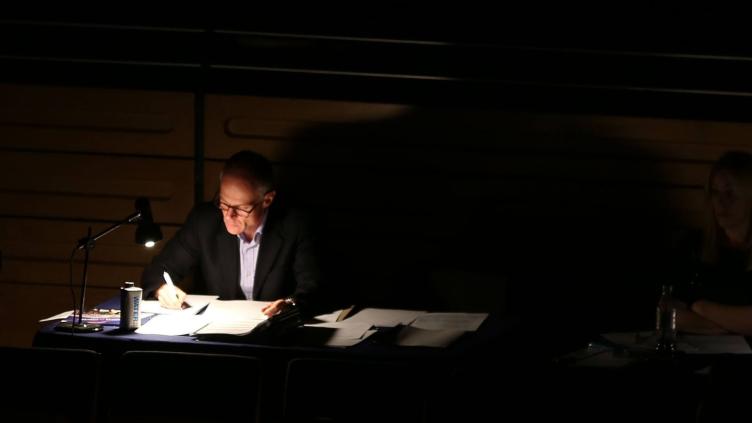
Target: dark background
<point x="678" y="63"/>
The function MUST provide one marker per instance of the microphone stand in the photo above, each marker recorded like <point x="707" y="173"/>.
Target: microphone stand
<point x="87" y="244"/>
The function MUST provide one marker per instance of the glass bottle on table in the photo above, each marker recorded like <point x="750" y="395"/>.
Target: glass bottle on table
<point x="665" y="321"/>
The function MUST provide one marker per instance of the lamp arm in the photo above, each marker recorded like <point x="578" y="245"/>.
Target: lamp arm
<point x="89" y="241"/>
<point x="87" y="244"/>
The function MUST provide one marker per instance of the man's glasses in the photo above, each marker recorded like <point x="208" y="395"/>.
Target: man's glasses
<point x="237" y="210"/>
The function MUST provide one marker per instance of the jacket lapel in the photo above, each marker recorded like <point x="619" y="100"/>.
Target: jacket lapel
<point x="229" y="258"/>
<point x="271" y="242"/>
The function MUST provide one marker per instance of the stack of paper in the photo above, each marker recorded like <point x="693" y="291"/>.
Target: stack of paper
<point x="385" y="317"/>
<point x="225" y="317"/>
<point x="343" y="334"/>
<point x="421" y="328"/>
<point x="439" y="329"/>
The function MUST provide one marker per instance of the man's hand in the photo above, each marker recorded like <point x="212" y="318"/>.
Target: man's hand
<point x="276" y="307"/>
<point x="168" y="300"/>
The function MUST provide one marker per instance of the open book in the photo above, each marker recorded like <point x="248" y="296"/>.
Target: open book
<point x="216" y="316"/>
<point x="236" y="317"/>
<point x="243" y="321"/>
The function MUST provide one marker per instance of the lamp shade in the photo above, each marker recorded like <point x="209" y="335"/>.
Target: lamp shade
<point x="147" y="232"/>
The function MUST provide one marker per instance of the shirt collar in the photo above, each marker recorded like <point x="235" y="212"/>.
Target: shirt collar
<point x="259" y="230"/>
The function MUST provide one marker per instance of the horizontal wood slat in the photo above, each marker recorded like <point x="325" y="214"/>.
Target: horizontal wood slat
<point x="327" y="131"/>
<point x="77" y="157"/>
<point x="55" y="240"/>
<point x="89" y="187"/>
<point x="87" y="121"/>
<point x="230" y="120"/>
<point x="23" y="305"/>
<point x="96" y="120"/>
<point x="101" y="275"/>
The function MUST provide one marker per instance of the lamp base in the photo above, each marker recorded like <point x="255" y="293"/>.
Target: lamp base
<point x="78" y="327"/>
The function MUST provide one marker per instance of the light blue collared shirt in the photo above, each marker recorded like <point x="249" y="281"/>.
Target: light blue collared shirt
<point x="249" y="257"/>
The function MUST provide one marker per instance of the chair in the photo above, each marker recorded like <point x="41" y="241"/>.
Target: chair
<point x="49" y="384"/>
<point x="164" y="386"/>
<point x="347" y="390"/>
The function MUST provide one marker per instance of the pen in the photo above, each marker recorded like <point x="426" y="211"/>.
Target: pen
<point x="171" y="287"/>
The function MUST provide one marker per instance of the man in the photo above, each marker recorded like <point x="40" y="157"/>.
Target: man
<point x="242" y="247"/>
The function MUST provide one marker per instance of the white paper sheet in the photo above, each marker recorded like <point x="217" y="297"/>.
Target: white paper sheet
<point x="236" y="310"/>
<point x="410" y="336"/>
<point x="173" y="324"/>
<point x="337" y="341"/>
<point x="329" y="317"/>
<point x="237" y="317"/>
<point x="469" y="322"/>
<point x="59" y="316"/>
<point x="384" y="317"/>
<point x="345" y="329"/>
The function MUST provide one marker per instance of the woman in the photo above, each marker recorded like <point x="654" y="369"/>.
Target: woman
<point x="723" y="286"/>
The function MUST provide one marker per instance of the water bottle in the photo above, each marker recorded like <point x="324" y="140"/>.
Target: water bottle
<point x="665" y="322"/>
<point x="130" y="306"/>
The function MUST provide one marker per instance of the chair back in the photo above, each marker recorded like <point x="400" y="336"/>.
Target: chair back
<point x="184" y="387"/>
<point x="348" y="390"/>
<point x="50" y="384"/>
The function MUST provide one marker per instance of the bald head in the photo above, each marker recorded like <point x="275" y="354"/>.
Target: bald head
<point x="252" y="167"/>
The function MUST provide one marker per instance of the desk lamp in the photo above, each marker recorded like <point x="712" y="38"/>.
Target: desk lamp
<point x="147" y="234"/>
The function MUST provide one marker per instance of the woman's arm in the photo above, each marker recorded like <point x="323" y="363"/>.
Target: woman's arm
<point x="732" y="318"/>
<point x="687" y="320"/>
<point x="691" y="322"/>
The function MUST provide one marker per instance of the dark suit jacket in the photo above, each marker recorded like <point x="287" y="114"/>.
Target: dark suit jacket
<point x="287" y="262"/>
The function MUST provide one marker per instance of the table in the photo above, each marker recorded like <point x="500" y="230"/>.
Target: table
<point x="112" y="343"/>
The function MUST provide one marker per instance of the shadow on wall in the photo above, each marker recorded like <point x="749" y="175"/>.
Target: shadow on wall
<point x="487" y="210"/>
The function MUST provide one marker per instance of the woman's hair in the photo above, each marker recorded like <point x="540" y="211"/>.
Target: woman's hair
<point x="253" y="166"/>
<point x="738" y="164"/>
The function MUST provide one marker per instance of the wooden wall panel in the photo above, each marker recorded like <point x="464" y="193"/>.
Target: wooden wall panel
<point x="42" y="272"/>
<point x="231" y="121"/>
<point x="96" y="120"/>
<point x="23" y="305"/>
<point x="52" y="240"/>
<point x="282" y="127"/>
<point x="488" y="194"/>
<point x="93" y="187"/>
<point x="469" y="208"/>
<point x="77" y="157"/>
